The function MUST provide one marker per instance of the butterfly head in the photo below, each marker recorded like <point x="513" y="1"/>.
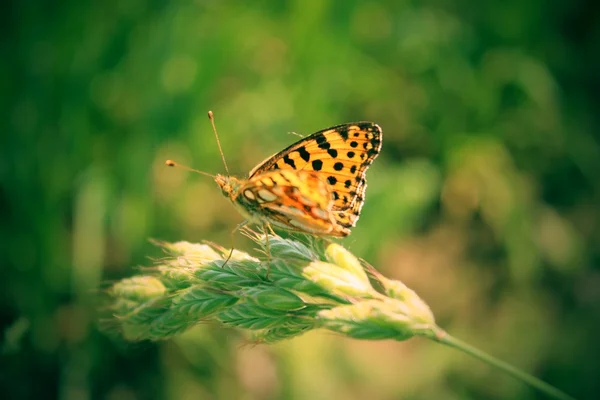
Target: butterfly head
<point x="229" y="185"/>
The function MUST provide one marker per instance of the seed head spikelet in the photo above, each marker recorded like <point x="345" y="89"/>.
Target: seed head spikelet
<point x="298" y="288"/>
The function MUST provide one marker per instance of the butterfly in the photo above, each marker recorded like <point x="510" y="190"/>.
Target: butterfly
<point x="316" y="185"/>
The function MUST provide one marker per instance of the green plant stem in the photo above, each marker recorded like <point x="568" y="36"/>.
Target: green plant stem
<point x="444" y="338"/>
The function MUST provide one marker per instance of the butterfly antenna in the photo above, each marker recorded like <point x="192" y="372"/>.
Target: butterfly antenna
<point x="172" y="163"/>
<point x="212" y="121"/>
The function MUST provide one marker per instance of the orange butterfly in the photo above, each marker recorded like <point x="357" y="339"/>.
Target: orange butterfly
<point x="317" y="185"/>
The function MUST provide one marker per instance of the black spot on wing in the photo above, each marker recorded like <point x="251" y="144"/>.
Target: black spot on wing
<point x="317" y="165"/>
<point x="350" y="154"/>
<point x="320" y="138"/>
<point x="325" y="145"/>
<point x="371" y="154"/>
<point x="331" y="180"/>
<point x="353" y="169"/>
<point x="289" y="161"/>
<point x="343" y="131"/>
<point x="305" y="155"/>
<point x="353" y="144"/>
<point x="338" y="166"/>
<point x="322" y="141"/>
<point x="332" y="152"/>
<point x="348" y="183"/>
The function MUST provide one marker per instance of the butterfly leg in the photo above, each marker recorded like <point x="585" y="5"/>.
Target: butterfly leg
<point x="237" y="228"/>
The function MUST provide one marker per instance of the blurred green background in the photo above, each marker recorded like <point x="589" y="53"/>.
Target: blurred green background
<point x="485" y="199"/>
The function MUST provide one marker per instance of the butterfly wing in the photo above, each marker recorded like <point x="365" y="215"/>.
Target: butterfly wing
<point x="340" y="155"/>
<point x="295" y="200"/>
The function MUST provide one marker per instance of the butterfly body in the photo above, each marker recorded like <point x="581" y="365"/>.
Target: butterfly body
<point x="317" y="185"/>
